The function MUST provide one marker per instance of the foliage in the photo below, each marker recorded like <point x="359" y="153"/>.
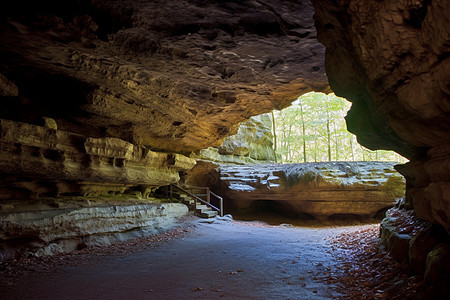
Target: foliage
<point x="313" y="129"/>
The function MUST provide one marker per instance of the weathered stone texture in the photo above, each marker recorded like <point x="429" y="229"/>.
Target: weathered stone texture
<point x="100" y="97"/>
<point x="422" y="245"/>
<point x="253" y="143"/>
<point x="171" y="75"/>
<point x="391" y="59"/>
<point x="46" y="231"/>
<point x="317" y="189"/>
<point x="38" y="161"/>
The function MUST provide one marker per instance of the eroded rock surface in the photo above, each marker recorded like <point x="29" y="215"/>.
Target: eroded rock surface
<point x="70" y="225"/>
<point x="318" y="189"/>
<point x="39" y="161"/>
<point x="391" y="59"/>
<point x="253" y="143"/>
<point x="101" y="97"/>
<point x="422" y="245"/>
<point x="172" y="75"/>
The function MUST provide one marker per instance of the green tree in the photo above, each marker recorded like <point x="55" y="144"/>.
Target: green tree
<point x="313" y="129"/>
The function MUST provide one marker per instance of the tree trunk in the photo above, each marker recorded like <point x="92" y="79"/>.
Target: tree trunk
<point x="351" y="148"/>
<point x="303" y="132"/>
<point x="329" y="137"/>
<point x="274" y="137"/>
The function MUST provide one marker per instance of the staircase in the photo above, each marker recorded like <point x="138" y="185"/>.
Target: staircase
<point x="201" y="210"/>
<point x="198" y="200"/>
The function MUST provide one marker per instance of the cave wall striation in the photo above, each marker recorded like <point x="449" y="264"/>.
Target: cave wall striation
<point x="104" y="100"/>
<point x="391" y="59"/>
<point x="124" y="88"/>
<point x="172" y="75"/>
<point x="39" y="161"/>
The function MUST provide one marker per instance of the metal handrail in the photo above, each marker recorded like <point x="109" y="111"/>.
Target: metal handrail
<point x="196" y="198"/>
<point x="220" y="201"/>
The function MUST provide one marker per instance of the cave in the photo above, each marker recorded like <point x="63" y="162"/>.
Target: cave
<point x="106" y="103"/>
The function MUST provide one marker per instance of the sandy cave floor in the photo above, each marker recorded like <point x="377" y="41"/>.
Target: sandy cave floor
<point x="227" y="260"/>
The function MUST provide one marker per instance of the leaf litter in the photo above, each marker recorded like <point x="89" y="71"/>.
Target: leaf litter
<point x="365" y="269"/>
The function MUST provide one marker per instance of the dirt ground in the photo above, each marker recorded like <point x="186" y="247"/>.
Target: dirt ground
<point x="198" y="260"/>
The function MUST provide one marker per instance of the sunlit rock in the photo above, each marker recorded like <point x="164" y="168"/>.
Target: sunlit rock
<point x="318" y="189"/>
<point x="251" y="144"/>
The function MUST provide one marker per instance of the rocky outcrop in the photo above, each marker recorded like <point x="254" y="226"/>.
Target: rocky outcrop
<point x="172" y="75"/>
<point x="40" y="161"/>
<point x="107" y="97"/>
<point x="317" y="189"/>
<point x="422" y="245"/>
<point x="253" y="143"/>
<point x="63" y="226"/>
<point x="390" y="58"/>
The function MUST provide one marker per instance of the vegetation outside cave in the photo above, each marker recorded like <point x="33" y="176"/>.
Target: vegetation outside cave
<point x="313" y="129"/>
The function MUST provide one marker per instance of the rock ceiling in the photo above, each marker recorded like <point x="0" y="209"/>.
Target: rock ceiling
<point x="97" y="95"/>
<point x="173" y="75"/>
<point x="177" y="76"/>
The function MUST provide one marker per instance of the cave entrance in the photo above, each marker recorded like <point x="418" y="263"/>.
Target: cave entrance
<point x="313" y="129"/>
<point x="314" y="154"/>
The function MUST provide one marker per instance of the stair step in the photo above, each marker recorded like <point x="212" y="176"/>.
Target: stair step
<point x="203" y="208"/>
<point x="209" y="214"/>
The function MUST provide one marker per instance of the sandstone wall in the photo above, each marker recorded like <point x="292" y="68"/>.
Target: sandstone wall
<point x="253" y="143"/>
<point x="390" y="58"/>
<point x="173" y="75"/>
<point x="38" y="161"/>
<point x="318" y="189"/>
<point x="44" y="230"/>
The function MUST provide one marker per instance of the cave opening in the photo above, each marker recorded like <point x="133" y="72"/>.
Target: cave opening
<point x="107" y="104"/>
<point x="313" y="129"/>
<point x="302" y="163"/>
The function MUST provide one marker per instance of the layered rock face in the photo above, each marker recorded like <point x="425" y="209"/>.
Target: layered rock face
<point x="317" y="189"/>
<point x="128" y="78"/>
<point x="50" y="227"/>
<point x="253" y="143"/>
<point x="41" y="162"/>
<point x="391" y="59"/>
<point x="102" y="98"/>
<point x="170" y="75"/>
